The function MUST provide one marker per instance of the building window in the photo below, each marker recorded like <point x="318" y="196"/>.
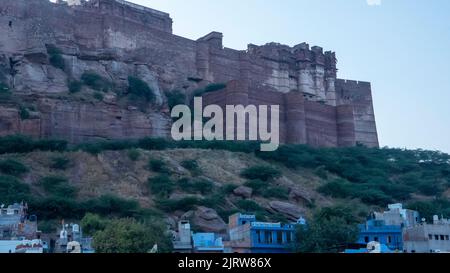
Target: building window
<point x="279" y="237"/>
<point x="268" y="237"/>
<point x="436" y="237"/>
<point x="258" y="236"/>
<point x="376" y="239"/>
<point x="389" y="239"/>
<point x="366" y="239"/>
<point x="442" y="237"/>
<point x="447" y="237"/>
<point x="430" y="236"/>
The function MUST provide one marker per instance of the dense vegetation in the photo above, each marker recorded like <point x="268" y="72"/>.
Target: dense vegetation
<point x="375" y="177"/>
<point x="128" y="235"/>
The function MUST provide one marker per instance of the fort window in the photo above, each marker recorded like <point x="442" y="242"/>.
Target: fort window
<point x="436" y="237"/>
<point x="442" y="237"/>
<point x="447" y="237"/>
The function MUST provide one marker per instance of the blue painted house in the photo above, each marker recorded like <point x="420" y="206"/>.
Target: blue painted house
<point x="378" y="231"/>
<point x="207" y="243"/>
<point x="249" y="236"/>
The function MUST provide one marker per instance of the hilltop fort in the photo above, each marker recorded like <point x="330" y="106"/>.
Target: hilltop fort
<point x="117" y="39"/>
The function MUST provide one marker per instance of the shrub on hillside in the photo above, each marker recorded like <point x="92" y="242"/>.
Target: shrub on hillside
<point x="228" y="189"/>
<point x="261" y="172"/>
<point x="184" y="204"/>
<point x="50" y="145"/>
<point x="4" y="88"/>
<point x="12" y="167"/>
<point x="214" y="87"/>
<point x="58" y="186"/>
<point x="110" y="205"/>
<point x="249" y="206"/>
<point x="57" y="61"/>
<point x="60" y="163"/>
<point x="140" y="89"/>
<point x="161" y="185"/>
<point x="75" y="86"/>
<point x="174" y="98"/>
<point x="277" y="192"/>
<point x="55" y="57"/>
<point x="98" y="96"/>
<point x="24" y="113"/>
<point x="191" y="165"/>
<point x="154" y="144"/>
<point x="202" y="186"/>
<point x="158" y="166"/>
<point x="134" y="154"/>
<point x="95" y="81"/>
<point x="13" y="190"/>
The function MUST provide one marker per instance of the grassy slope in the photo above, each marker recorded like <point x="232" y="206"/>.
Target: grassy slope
<point x="113" y="172"/>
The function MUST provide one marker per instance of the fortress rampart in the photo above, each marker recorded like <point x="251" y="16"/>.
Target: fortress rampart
<point x="116" y="39"/>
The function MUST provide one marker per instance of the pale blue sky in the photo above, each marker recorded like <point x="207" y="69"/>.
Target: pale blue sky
<point x="401" y="46"/>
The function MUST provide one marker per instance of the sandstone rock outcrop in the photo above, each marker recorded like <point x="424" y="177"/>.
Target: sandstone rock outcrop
<point x="292" y="211"/>
<point x="243" y="191"/>
<point x="207" y="220"/>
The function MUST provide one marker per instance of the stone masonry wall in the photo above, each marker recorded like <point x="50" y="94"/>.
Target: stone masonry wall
<point x="117" y="39"/>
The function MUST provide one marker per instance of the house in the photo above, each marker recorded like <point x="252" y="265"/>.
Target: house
<point x="249" y="236"/>
<point x="378" y="231"/>
<point x="71" y="240"/>
<point x="182" y="241"/>
<point x="15" y="223"/>
<point x="185" y="241"/>
<point x="428" y="238"/>
<point x="398" y="216"/>
<point x="207" y="243"/>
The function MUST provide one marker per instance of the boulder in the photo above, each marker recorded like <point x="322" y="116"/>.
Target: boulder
<point x="300" y="196"/>
<point x="292" y="211"/>
<point x="243" y="191"/>
<point x="207" y="220"/>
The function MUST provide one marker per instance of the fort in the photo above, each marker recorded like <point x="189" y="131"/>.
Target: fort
<point x="117" y="39"/>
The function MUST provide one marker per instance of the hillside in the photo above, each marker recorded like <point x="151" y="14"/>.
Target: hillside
<point x="206" y="182"/>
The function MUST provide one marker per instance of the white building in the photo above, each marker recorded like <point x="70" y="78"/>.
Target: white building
<point x="428" y="238"/>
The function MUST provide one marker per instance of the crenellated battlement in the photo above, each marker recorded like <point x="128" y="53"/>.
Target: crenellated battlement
<point x="125" y="10"/>
<point x="116" y="38"/>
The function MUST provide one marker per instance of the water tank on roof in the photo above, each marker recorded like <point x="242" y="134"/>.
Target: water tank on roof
<point x="75" y="228"/>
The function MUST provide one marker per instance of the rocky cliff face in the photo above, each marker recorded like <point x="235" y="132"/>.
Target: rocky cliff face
<point x="117" y="39"/>
<point x="39" y="86"/>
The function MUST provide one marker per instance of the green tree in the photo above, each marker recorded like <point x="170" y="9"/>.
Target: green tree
<point x="330" y="231"/>
<point x="130" y="236"/>
<point x="91" y="223"/>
